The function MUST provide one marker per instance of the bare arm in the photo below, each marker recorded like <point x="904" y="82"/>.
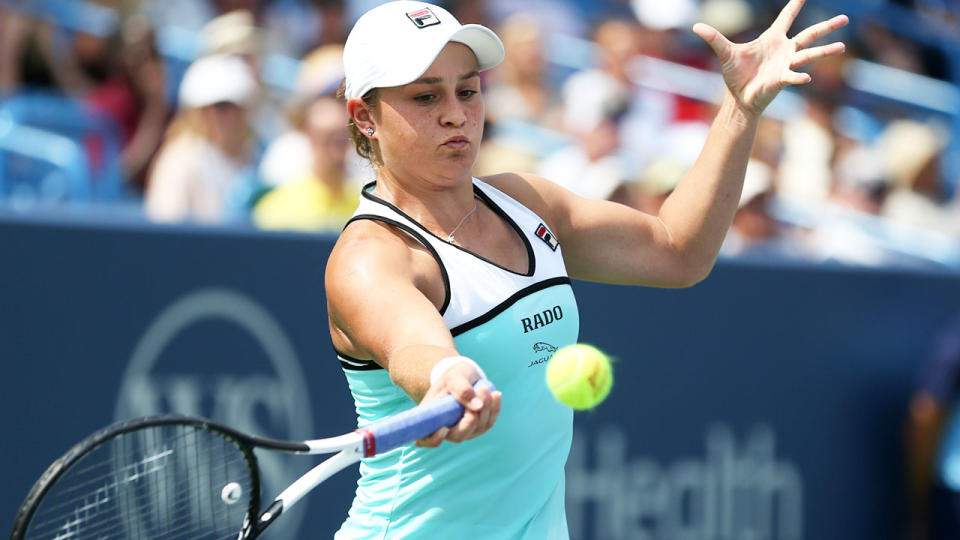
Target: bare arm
<point x="924" y="429"/>
<point x="148" y="76"/>
<point x="603" y="241"/>
<point x="14" y="29"/>
<point x="378" y="310"/>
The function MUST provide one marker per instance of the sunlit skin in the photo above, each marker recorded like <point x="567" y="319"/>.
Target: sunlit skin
<point x="428" y="134"/>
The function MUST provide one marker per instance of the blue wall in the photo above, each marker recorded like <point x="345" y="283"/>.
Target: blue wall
<point x="766" y="402"/>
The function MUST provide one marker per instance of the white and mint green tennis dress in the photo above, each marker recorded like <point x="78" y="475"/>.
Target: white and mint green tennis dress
<point x="507" y="483"/>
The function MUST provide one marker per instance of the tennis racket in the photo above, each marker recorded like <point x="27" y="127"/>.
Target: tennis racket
<point x="171" y="477"/>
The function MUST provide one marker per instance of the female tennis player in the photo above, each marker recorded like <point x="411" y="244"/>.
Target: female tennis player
<point x="442" y="279"/>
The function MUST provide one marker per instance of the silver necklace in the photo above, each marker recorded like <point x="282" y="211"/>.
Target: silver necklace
<point x="450" y="238"/>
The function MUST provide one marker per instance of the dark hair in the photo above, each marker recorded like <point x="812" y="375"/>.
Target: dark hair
<point x="361" y="142"/>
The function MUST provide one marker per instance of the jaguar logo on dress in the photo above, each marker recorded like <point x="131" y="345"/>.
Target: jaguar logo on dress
<point x="545" y="350"/>
<point x="541" y="346"/>
<point x="423" y="18"/>
<point x="544" y="234"/>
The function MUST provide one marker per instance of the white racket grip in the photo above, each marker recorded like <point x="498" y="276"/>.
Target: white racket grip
<point x="413" y="424"/>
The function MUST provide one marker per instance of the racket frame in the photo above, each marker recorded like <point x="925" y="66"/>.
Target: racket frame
<point x="380" y="436"/>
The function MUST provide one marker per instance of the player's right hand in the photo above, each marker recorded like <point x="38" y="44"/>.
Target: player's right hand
<point x="481" y="406"/>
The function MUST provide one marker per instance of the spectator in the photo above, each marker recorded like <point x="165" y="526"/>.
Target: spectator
<point x="589" y="88"/>
<point x="809" y="146"/>
<point x="677" y="150"/>
<point x="290" y="154"/>
<point x="132" y="94"/>
<point x="859" y="179"/>
<point x="237" y="33"/>
<point x="524" y="110"/>
<point x="333" y="21"/>
<point x="234" y="32"/>
<point x="519" y="89"/>
<point x="324" y="197"/>
<point x="616" y="68"/>
<point x="295" y="27"/>
<point x="38" y="52"/>
<point x="202" y="171"/>
<point x="15" y="36"/>
<point x="559" y="17"/>
<point x="656" y="182"/>
<point x="106" y="60"/>
<point x="755" y="232"/>
<point x="911" y="153"/>
<point x="664" y="17"/>
<point x="933" y="444"/>
<point x="592" y="165"/>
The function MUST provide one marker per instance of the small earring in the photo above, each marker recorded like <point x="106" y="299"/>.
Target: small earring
<point x="370" y="132"/>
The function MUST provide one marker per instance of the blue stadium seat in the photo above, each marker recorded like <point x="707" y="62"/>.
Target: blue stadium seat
<point x="39" y="167"/>
<point x="94" y="133"/>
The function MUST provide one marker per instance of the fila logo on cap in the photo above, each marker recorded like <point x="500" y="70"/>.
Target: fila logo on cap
<point x="423" y="18"/>
<point x="544" y="234"/>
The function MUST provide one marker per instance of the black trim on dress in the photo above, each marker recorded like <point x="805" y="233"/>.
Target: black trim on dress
<point x="531" y="258"/>
<point x="355" y="364"/>
<point x="502" y="306"/>
<point x="419" y="238"/>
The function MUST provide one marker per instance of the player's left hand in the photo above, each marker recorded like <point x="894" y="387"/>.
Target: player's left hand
<point x="755" y="72"/>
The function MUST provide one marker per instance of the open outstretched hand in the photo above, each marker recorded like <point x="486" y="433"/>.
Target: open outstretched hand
<point x="755" y="72"/>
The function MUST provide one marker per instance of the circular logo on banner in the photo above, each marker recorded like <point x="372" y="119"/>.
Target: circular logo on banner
<point x="218" y="354"/>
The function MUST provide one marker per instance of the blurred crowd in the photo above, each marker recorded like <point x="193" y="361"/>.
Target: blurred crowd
<point x="225" y="111"/>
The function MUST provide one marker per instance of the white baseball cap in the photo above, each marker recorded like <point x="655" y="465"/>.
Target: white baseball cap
<point x="218" y="78"/>
<point x="393" y="44"/>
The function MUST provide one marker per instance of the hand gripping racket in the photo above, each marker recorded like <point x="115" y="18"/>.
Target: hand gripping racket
<point x="171" y="477"/>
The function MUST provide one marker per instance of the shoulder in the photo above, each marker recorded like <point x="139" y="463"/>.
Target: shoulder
<point x="365" y="247"/>
<point x="370" y="261"/>
<point x="369" y="253"/>
<point x="545" y="198"/>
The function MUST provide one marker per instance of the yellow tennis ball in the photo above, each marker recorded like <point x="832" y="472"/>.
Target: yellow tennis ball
<point x="580" y="376"/>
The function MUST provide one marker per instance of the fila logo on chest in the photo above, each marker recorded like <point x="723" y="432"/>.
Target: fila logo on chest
<point x="544" y="234"/>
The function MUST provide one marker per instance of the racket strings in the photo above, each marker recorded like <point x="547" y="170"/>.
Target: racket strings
<point x="69" y="491"/>
<point x="56" y="511"/>
<point x="170" y="482"/>
<point x="102" y="474"/>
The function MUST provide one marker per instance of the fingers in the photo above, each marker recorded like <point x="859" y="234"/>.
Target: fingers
<point x="434" y="439"/>
<point x="480" y="415"/>
<point x="481" y="406"/>
<point x="804" y="57"/>
<point x="720" y="44"/>
<point x="787" y="15"/>
<point x="793" y="77"/>
<point x="811" y="34"/>
<point x="477" y="420"/>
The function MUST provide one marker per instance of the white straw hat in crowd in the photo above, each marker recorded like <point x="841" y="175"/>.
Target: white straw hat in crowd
<point x="757" y="180"/>
<point x="218" y="78"/>
<point x="906" y="146"/>
<point x="234" y="32"/>
<point x="657" y="15"/>
<point x="393" y="44"/>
